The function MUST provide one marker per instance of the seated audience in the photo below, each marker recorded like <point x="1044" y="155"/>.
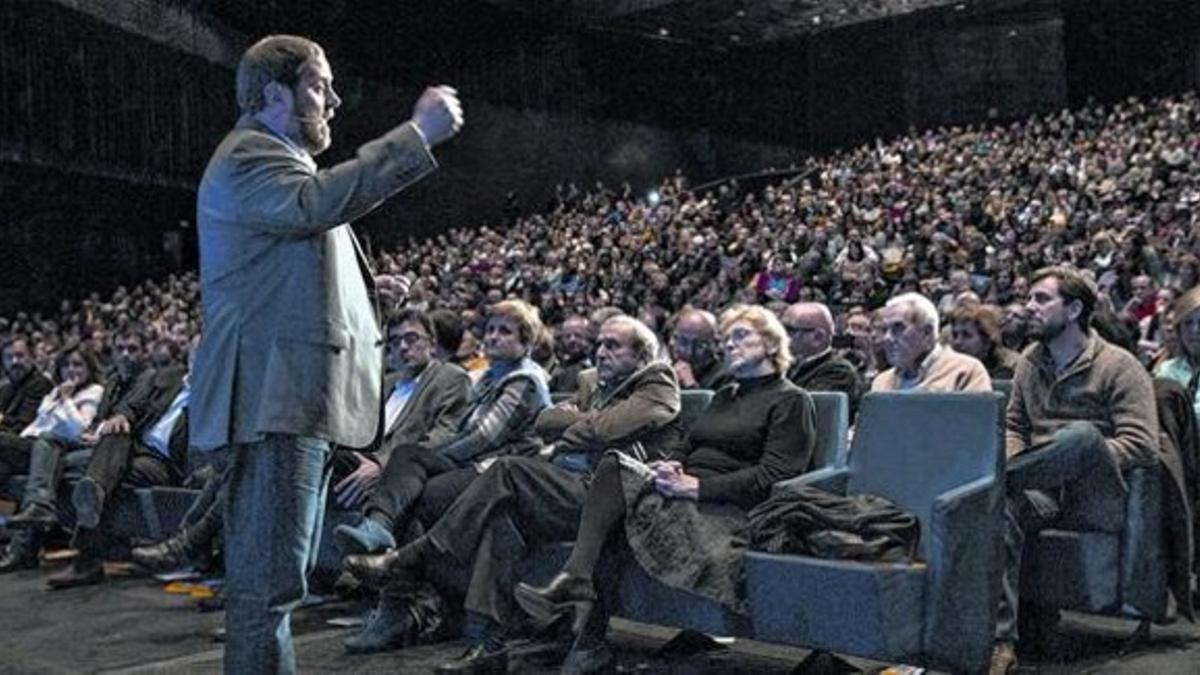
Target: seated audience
<point x="149" y="448"/>
<point x="975" y="331"/>
<point x="817" y="368"/>
<point x="694" y="348"/>
<point x="1082" y="412"/>
<point x="688" y="528"/>
<point x="48" y="453"/>
<point x="630" y="401"/>
<point x="63" y="415"/>
<point x="919" y="363"/>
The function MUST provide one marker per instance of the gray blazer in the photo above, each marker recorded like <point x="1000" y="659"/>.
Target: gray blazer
<point x="432" y="414"/>
<point x="291" y="343"/>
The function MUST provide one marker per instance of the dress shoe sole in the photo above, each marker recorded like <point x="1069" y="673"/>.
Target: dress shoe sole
<point x="61" y="584"/>
<point x="30" y="524"/>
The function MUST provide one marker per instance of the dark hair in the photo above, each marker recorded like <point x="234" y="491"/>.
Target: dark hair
<point x="414" y="315"/>
<point x="447" y="329"/>
<point x="88" y="356"/>
<point x="1072" y="286"/>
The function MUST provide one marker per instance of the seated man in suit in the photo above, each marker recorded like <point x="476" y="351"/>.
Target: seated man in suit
<point x="919" y="363"/>
<point x="148" y="448"/>
<point x="694" y="349"/>
<point x="1082" y="412"/>
<point x="424" y="399"/>
<point x="818" y="368"/>
<point x="630" y="401"/>
<point x="23" y="387"/>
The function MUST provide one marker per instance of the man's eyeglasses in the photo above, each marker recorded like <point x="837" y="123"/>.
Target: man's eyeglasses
<point x="406" y="339"/>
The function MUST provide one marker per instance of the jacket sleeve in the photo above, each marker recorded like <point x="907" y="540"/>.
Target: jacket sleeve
<point x="282" y="194"/>
<point x="137" y="402"/>
<point x="505" y="415"/>
<point x="1134" y="416"/>
<point x="453" y="396"/>
<point x="787" y="451"/>
<point x="1017" y="427"/>
<point x="652" y="406"/>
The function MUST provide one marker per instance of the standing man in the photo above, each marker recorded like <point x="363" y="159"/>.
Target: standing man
<point x="290" y="364"/>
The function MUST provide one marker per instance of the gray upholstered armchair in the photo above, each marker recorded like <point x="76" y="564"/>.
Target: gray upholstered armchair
<point x="939" y="456"/>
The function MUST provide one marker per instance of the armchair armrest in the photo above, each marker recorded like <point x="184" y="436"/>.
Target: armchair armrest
<point x="830" y="479"/>
<point x="965" y="559"/>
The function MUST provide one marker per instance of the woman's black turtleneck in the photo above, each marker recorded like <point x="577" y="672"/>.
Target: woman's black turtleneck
<point x="754" y="433"/>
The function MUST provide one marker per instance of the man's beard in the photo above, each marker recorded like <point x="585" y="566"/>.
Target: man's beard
<point x="1045" y="332"/>
<point x="315" y="136"/>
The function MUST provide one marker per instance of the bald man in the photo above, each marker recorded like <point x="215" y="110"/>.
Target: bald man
<point x="817" y="367"/>
<point x="695" y="350"/>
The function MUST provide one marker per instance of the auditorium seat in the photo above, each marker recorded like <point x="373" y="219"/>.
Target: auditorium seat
<point x="939" y="456"/>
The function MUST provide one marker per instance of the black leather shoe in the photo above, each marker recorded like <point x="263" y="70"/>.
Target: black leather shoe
<point x="387" y="628"/>
<point x="161" y="557"/>
<point x="14" y="559"/>
<point x="83" y="572"/>
<point x="34" y="517"/>
<point x="478" y="659"/>
<point x="88" y="499"/>
<point x="382" y="568"/>
<point x="564" y="594"/>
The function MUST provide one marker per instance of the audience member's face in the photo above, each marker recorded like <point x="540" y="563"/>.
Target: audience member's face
<point x="1188" y="329"/>
<point x="1143" y="288"/>
<point x="1048" y="316"/>
<point x="966" y="338"/>
<point x="905" y="340"/>
<point x="74" y="369"/>
<point x="17" y="360"/>
<point x="409" y="347"/>
<point x="746" y="351"/>
<point x="126" y="354"/>
<point x="313" y="102"/>
<point x="574" y="339"/>
<point x="808" y="333"/>
<point x="502" y="339"/>
<point x="616" y="357"/>
<point x="694" y="341"/>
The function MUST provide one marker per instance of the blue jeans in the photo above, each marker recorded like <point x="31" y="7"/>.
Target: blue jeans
<point x="276" y="497"/>
<point x="1073" y="480"/>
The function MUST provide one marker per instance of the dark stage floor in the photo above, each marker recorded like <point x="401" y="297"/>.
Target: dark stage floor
<point x="130" y="625"/>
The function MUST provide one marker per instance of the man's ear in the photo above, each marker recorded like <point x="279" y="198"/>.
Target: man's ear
<point x="274" y="94"/>
<point x="1074" y="309"/>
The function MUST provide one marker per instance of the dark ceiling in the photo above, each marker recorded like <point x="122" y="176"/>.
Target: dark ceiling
<point x="703" y="23"/>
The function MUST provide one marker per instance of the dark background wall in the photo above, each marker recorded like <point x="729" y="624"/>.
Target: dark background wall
<point x="104" y="130"/>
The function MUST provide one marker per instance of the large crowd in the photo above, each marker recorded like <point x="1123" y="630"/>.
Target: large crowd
<point x="913" y="263"/>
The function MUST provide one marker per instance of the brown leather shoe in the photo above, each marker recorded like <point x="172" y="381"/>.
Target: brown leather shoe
<point x="1004" y="659"/>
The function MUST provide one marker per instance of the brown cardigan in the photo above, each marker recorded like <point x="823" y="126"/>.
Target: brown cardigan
<point x="1105" y="386"/>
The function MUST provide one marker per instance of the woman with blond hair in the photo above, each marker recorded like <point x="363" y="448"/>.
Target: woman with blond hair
<point x="683" y="518"/>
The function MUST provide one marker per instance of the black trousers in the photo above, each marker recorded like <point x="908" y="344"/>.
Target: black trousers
<point x="517" y="504"/>
<point x="120" y="462"/>
<point x="406" y="476"/>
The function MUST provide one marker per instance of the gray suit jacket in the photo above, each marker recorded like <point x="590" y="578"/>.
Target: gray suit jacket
<point x="432" y="413"/>
<point x="291" y="342"/>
